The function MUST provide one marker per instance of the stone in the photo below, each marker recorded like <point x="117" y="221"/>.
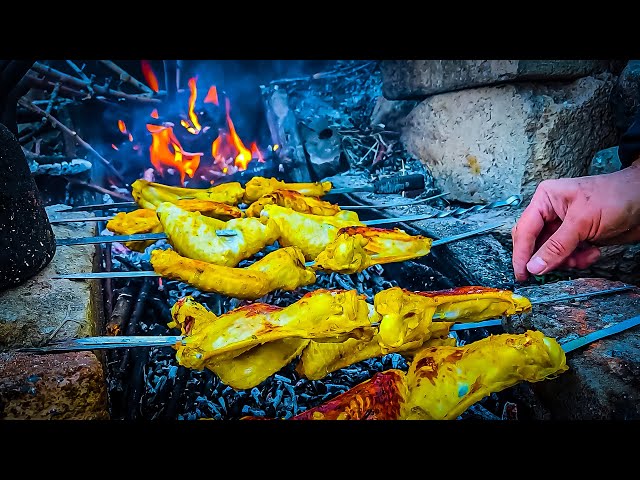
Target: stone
<point x="42" y="308"/>
<point x="485" y="144"/>
<point x="410" y="79"/>
<point x="625" y="97"/>
<point x="324" y="149"/>
<point x="61" y="386"/>
<point x="602" y="380"/>
<point x="390" y="114"/>
<point x="605" y="161"/>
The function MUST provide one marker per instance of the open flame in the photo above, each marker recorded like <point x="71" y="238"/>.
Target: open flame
<point x="149" y="75"/>
<point x="167" y="154"/>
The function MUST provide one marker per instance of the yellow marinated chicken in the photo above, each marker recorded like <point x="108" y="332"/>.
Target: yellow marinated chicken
<point x="320" y="359"/>
<point x="198" y="237"/>
<point x="150" y="194"/>
<point x="282" y="269"/>
<point x="357" y="248"/>
<point x="256" y="365"/>
<point x="145" y="220"/>
<point x="142" y="220"/>
<point x="319" y="314"/>
<point x="293" y="200"/>
<point x="403" y="311"/>
<point x="310" y="233"/>
<point x="444" y="381"/>
<point x="259" y="186"/>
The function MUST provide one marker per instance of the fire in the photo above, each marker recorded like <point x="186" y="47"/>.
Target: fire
<point x="149" y="76"/>
<point x="244" y="156"/>
<point x="122" y="127"/>
<point x="154" y="113"/>
<point x="195" y="126"/>
<point x="166" y="151"/>
<point x="255" y="152"/>
<point x="212" y="96"/>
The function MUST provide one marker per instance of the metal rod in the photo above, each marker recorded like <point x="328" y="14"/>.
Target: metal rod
<point x="585" y="295"/>
<point x="597" y="335"/>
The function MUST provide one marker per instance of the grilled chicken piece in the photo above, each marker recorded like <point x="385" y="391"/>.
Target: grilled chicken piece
<point x="195" y="236"/>
<point x="357" y="248"/>
<point x="142" y="220"/>
<point x="444" y="381"/>
<point x="256" y="365"/>
<point x="295" y="201"/>
<point x="406" y="314"/>
<point x="310" y="233"/>
<point x="320" y="359"/>
<point x="150" y="194"/>
<point x="282" y="269"/>
<point x="319" y="314"/>
<point x="259" y="186"/>
<point x="145" y="220"/>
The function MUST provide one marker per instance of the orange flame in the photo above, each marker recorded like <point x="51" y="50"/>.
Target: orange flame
<point x="122" y="127"/>
<point x="165" y="150"/>
<point x="154" y="113"/>
<point x="255" y="152"/>
<point x="244" y="156"/>
<point x="114" y="147"/>
<point x="130" y="138"/>
<point x="212" y="95"/>
<point x="195" y="129"/>
<point x="149" y="76"/>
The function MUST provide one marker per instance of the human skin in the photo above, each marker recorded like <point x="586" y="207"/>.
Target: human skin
<point x="569" y="218"/>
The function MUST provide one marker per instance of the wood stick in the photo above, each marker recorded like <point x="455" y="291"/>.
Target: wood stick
<point x="121" y="311"/>
<point x="125" y="77"/>
<point x="81" y="84"/>
<point x="98" y="188"/>
<point x="78" y="70"/>
<point x="56" y="123"/>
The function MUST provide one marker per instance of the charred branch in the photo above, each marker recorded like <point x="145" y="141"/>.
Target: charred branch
<point x="126" y="77"/>
<point x="99" y="189"/>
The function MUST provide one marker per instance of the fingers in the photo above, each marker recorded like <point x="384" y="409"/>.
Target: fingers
<point x="526" y="231"/>
<point x="582" y="259"/>
<point x="558" y="247"/>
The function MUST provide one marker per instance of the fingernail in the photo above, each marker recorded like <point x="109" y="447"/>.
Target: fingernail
<point x="536" y="265"/>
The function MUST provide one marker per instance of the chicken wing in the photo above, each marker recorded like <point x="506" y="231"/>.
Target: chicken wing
<point x="403" y="311"/>
<point x="259" y="186"/>
<point x="281" y="269"/>
<point x="150" y="194"/>
<point x="357" y="248"/>
<point x="319" y="314"/>
<point x="295" y="201"/>
<point x="310" y="233"/>
<point x="198" y="237"/>
<point x="444" y="381"/>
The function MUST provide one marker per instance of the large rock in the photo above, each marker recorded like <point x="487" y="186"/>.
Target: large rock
<point x="62" y="386"/>
<point x="486" y="144"/>
<point x="625" y="97"/>
<point x="602" y="380"/>
<point x="43" y="308"/>
<point x="407" y="79"/>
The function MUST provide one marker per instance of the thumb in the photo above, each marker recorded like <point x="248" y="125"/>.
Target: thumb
<point x="556" y="249"/>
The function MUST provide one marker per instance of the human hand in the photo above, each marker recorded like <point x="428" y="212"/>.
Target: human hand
<point x="568" y="218"/>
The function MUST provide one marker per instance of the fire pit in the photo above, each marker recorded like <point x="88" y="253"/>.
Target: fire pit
<point x="176" y="126"/>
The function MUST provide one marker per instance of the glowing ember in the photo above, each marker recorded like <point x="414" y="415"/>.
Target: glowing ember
<point x="114" y="147"/>
<point x="149" y="76"/>
<point x="166" y="151"/>
<point x="130" y="138"/>
<point x="212" y="95"/>
<point x="154" y="113"/>
<point x="122" y="127"/>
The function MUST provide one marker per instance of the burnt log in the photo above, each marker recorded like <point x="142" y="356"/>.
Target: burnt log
<point x="27" y="241"/>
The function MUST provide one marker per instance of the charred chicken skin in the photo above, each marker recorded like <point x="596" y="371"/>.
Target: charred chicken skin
<point x="198" y="237"/>
<point x="150" y="194"/>
<point x="443" y="381"/>
<point x="319" y="314"/>
<point x="295" y="201"/>
<point x="145" y="220"/>
<point x="259" y="186"/>
<point x="310" y="233"/>
<point x="282" y="269"/>
<point x="357" y="248"/>
<point x="405" y="314"/>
